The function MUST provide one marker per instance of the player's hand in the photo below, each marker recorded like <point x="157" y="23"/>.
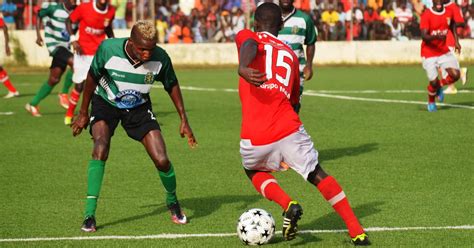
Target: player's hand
<point x="7" y="50"/>
<point x="39" y="41"/>
<point x="185" y="130"/>
<point x="252" y="76"/>
<point x="307" y="72"/>
<point x="79" y="123"/>
<point x="441" y="37"/>
<point x="77" y="47"/>
<point x="457" y="48"/>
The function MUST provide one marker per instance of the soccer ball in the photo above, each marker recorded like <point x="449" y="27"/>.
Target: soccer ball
<point x="256" y="227"/>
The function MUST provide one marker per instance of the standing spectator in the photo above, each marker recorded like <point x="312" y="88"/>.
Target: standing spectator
<point x="396" y="30"/>
<point x="161" y="28"/>
<point x="329" y="17"/>
<point x="9" y="12"/>
<point x="196" y="26"/>
<point x="176" y="32"/>
<point x="120" y="9"/>
<point x="238" y="20"/>
<point x="187" y="31"/>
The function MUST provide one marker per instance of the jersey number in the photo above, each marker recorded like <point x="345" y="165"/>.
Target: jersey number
<point x="280" y="62"/>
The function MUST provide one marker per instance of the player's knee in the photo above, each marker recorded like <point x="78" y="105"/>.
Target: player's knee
<point x="455" y="74"/>
<point x="101" y="149"/>
<point x="54" y="80"/>
<point x="161" y="162"/>
<point x="317" y="175"/>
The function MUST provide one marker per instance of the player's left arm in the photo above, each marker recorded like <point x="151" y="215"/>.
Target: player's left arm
<point x="295" y="83"/>
<point x="7" y="40"/>
<point x="168" y="77"/>
<point x="310" y="41"/>
<point x="109" y="31"/>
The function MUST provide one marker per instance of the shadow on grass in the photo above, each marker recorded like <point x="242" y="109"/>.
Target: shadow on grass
<point x="332" y="154"/>
<point x="332" y="221"/>
<point x="200" y="207"/>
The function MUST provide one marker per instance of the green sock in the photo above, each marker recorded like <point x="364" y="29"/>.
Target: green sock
<point x="42" y="93"/>
<point x="67" y="82"/>
<point x="169" y="182"/>
<point x="95" y="175"/>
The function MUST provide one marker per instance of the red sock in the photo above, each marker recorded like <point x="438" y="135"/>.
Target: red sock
<point x="333" y="193"/>
<point x="6" y="81"/>
<point x="431" y="93"/>
<point x="447" y="81"/>
<point x="75" y="95"/>
<point x="267" y="185"/>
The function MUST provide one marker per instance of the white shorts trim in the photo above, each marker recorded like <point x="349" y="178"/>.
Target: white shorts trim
<point x="82" y="63"/>
<point x="296" y="150"/>
<point x="431" y="65"/>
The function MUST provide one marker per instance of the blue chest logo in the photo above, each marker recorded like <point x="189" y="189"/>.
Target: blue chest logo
<point x="126" y="99"/>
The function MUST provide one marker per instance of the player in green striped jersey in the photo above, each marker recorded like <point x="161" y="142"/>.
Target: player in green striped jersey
<point x="57" y="43"/>
<point x="298" y="30"/>
<point x="119" y="81"/>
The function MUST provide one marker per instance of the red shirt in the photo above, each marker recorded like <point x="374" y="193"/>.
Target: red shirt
<point x="371" y="18"/>
<point x="267" y="112"/>
<point x="92" y="24"/>
<point x="457" y="17"/>
<point x="1" y="22"/>
<point x="435" y="23"/>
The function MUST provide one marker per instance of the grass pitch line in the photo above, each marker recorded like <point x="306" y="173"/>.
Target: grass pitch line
<point x="7" y="113"/>
<point x="219" y="235"/>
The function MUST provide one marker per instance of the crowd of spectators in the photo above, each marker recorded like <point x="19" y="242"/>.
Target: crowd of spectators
<point x="220" y="20"/>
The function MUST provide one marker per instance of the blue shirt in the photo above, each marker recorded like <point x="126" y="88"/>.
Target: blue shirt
<point x="8" y="8"/>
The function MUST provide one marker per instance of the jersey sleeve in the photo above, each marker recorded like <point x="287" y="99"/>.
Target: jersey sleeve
<point x="98" y="63"/>
<point x="424" y="23"/>
<point x="44" y="11"/>
<point x="76" y="14"/>
<point x="311" y="33"/>
<point x="457" y="14"/>
<point x="242" y="36"/>
<point x="167" y="76"/>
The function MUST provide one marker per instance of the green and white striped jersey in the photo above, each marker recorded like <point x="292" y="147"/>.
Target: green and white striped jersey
<point x="298" y="30"/>
<point x="55" y="33"/>
<point x="124" y="83"/>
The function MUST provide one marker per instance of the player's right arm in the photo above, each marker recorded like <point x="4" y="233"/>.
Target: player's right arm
<point x="74" y="17"/>
<point x="247" y="53"/>
<point x="42" y="13"/>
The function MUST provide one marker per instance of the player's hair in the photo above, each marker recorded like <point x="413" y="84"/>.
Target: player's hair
<point x="268" y="14"/>
<point x="146" y="29"/>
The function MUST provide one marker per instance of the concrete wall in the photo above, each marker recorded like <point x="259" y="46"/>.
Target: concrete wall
<point x="366" y="52"/>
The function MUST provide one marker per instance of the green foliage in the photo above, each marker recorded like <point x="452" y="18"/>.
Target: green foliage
<point x="399" y="165"/>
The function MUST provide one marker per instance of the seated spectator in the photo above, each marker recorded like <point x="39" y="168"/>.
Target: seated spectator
<point x="339" y="32"/>
<point x="375" y="4"/>
<point x="387" y="14"/>
<point x="396" y="31"/>
<point x="404" y="14"/>
<point x="176" y="33"/>
<point x="186" y="31"/>
<point x="238" y="20"/>
<point x="161" y="28"/>
<point x="8" y="10"/>
<point x="370" y="18"/>
<point x="329" y="17"/>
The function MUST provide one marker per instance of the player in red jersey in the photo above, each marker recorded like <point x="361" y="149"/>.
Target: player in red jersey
<point x="272" y="135"/>
<point x="452" y="40"/>
<point x="95" y="22"/>
<point x="12" y="92"/>
<point x="434" y="25"/>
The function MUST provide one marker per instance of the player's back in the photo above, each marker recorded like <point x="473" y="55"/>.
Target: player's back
<point x="267" y="111"/>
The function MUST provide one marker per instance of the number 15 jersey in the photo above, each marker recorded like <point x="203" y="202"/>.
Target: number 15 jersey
<point x="267" y="111"/>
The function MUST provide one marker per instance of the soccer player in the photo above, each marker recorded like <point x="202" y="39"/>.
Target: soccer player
<point x="12" y="92"/>
<point x="95" y="22"/>
<point x="298" y="30"/>
<point x="119" y="82"/>
<point x="452" y="41"/>
<point x="434" y="25"/>
<point x="57" y="42"/>
<point x="272" y="133"/>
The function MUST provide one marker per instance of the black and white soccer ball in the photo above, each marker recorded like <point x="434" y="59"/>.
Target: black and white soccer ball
<point x="256" y="227"/>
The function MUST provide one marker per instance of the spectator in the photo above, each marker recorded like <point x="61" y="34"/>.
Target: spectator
<point x="371" y="18"/>
<point x="196" y="26"/>
<point x="238" y="20"/>
<point x="20" y="9"/>
<point x="387" y="14"/>
<point x="120" y="9"/>
<point x="396" y="30"/>
<point x="176" y="33"/>
<point x="329" y="17"/>
<point x="161" y="28"/>
<point x="470" y="22"/>
<point x="375" y="4"/>
<point x="404" y="15"/>
<point x="9" y="11"/>
<point x="186" y="31"/>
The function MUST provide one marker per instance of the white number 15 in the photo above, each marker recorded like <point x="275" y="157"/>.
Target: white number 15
<point x="280" y="62"/>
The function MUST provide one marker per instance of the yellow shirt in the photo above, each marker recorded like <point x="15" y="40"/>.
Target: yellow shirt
<point x="330" y="18"/>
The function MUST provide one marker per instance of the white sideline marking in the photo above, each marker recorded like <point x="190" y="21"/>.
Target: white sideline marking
<point x="7" y="113"/>
<point x="317" y="93"/>
<point x="204" y="235"/>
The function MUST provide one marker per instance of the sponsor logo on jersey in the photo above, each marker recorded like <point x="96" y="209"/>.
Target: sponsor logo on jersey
<point x="126" y="99"/>
<point x="294" y="29"/>
<point x="114" y="74"/>
<point x="149" y="78"/>
<point x="94" y="31"/>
